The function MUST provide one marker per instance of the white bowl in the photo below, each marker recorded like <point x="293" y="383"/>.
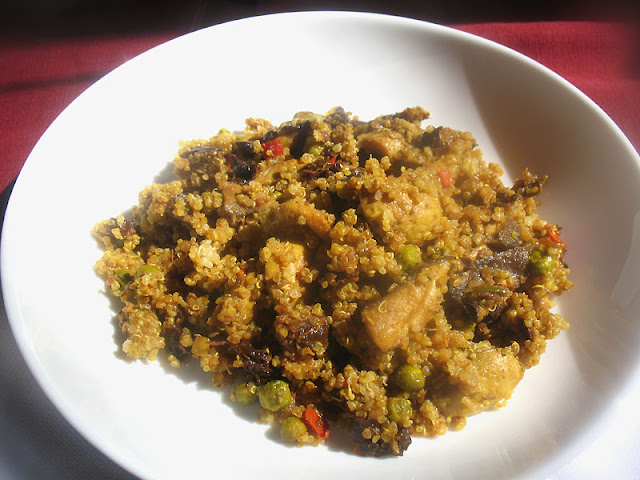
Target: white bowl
<point x="122" y="133"/>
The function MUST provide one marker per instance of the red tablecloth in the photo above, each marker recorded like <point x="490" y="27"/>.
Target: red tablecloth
<point x="38" y="80"/>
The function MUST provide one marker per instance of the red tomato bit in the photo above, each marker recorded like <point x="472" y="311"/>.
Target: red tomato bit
<point x="552" y="233"/>
<point x="445" y="178"/>
<point x="315" y="422"/>
<point x="272" y="149"/>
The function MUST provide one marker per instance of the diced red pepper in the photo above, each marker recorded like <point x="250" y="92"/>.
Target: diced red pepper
<point x="241" y="277"/>
<point x="445" y="178"/>
<point x="272" y="149"/>
<point x="553" y="235"/>
<point x="315" y="422"/>
<point x="333" y="159"/>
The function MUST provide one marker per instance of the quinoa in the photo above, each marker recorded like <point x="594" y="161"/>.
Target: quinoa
<point x="376" y="276"/>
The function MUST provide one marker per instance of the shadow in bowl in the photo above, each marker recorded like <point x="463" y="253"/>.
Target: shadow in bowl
<point x="33" y="432"/>
<point x="534" y="119"/>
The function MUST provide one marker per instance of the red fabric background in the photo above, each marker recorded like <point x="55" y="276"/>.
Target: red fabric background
<point x="601" y="59"/>
<point x="38" y="80"/>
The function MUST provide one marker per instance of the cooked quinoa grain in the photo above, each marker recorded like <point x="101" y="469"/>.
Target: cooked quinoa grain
<point x="372" y="276"/>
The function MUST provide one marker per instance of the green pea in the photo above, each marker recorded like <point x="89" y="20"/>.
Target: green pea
<point x="316" y="149"/>
<point x="491" y="289"/>
<point x="275" y="395"/>
<point x="410" y="256"/>
<point x="245" y="393"/>
<point x="147" y="268"/>
<point x="541" y="263"/>
<point x="409" y="378"/>
<point x="399" y="409"/>
<point x="292" y="430"/>
<point x="123" y="277"/>
<point x="118" y="242"/>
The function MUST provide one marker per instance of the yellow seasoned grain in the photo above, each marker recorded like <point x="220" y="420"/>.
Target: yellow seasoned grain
<point x="276" y="255"/>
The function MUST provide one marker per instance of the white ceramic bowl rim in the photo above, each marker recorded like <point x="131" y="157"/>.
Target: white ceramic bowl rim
<point x="147" y="84"/>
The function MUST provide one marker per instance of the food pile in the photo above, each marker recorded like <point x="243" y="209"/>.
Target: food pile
<point x="372" y="276"/>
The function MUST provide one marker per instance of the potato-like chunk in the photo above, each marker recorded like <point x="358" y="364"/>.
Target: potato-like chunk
<point x="410" y="306"/>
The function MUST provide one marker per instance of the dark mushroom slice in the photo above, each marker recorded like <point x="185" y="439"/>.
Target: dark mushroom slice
<point x="397" y="445"/>
<point x="256" y="361"/>
<point x="529" y="185"/>
<point x="470" y="294"/>
<point x="508" y="236"/>
<point x="201" y="149"/>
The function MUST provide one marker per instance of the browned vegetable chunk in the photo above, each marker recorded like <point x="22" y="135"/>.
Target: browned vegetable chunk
<point x="390" y="319"/>
<point x="382" y="143"/>
<point x="296" y="215"/>
<point x="402" y="214"/>
<point x="475" y="381"/>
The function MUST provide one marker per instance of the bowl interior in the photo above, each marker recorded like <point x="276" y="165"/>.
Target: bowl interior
<point x="121" y="134"/>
